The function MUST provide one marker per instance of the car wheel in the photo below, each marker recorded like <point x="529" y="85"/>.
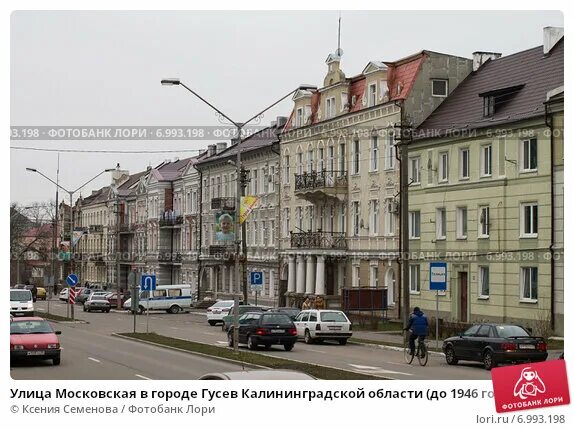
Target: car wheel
<point x="56" y="361"/>
<point x="174" y="309"/>
<point x="108" y="311"/>
<point x="267" y="346"/>
<point x="230" y="338"/>
<point x="223" y="328"/>
<point x="450" y="355"/>
<point x="84" y="309"/>
<point x="141" y="310"/>
<point x="251" y="344"/>
<point x="308" y="338"/>
<point x="288" y="346"/>
<point x="488" y="360"/>
<point x="211" y="323"/>
<point x="342" y="341"/>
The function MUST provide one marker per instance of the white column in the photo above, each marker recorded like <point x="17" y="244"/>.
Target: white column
<point x="291" y="275"/>
<point x="300" y="274"/>
<point x="231" y="283"/>
<point x="320" y="278"/>
<point x="310" y="286"/>
<point x="271" y="284"/>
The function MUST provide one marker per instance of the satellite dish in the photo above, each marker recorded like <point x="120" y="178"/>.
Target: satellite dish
<point x="339" y="52"/>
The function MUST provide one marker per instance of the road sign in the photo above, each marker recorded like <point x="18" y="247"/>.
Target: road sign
<point x="72" y="279"/>
<point x="256" y="278"/>
<point x="72" y="292"/>
<point x="437" y="276"/>
<point x="148" y="283"/>
<point x="256" y="287"/>
<point x="132" y="279"/>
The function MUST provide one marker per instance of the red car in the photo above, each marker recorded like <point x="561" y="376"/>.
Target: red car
<point x="34" y="338"/>
<point x="113" y="299"/>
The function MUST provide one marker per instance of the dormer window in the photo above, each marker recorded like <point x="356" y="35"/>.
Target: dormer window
<point x="494" y="100"/>
<point x="439" y="87"/>
<point x="299" y="117"/>
<point x="330" y="107"/>
<point x="372" y="97"/>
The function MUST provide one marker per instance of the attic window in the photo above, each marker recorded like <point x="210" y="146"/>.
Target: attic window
<point x="496" y="99"/>
<point x="439" y="87"/>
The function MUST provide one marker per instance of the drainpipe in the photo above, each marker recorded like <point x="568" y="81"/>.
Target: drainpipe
<point x="277" y="233"/>
<point x="200" y="198"/>
<point x="549" y="121"/>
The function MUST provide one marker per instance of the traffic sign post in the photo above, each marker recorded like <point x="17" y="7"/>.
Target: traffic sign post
<point x="437" y="283"/>
<point x="256" y="283"/>
<point x="148" y="283"/>
<point x="72" y="280"/>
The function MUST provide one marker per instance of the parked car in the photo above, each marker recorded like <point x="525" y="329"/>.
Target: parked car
<point x="21" y="303"/>
<point x="265" y="328"/>
<point x="41" y="293"/>
<point x="217" y="311"/>
<point x="113" y="298"/>
<point x="64" y="295"/>
<point x="97" y="302"/>
<point x="33" y="337"/>
<point x="493" y="344"/>
<point x="292" y="312"/>
<point x="170" y="298"/>
<point x="83" y="296"/>
<point x="228" y="319"/>
<point x="318" y="325"/>
<point x="253" y="375"/>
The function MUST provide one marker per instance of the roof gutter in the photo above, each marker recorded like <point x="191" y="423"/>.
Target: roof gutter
<point x="549" y="121"/>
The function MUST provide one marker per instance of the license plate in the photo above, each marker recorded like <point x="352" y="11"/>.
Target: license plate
<point x="526" y="346"/>
<point x="334" y="328"/>
<point x="35" y="353"/>
<point x="277" y="331"/>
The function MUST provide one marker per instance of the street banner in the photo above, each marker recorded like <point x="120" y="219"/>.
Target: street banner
<point x="77" y="236"/>
<point x="248" y="203"/>
<point x="225" y="226"/>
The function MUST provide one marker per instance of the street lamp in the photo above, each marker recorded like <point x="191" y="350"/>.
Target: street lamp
<point x="70" y="193"/>
<point x="238" y="175"/>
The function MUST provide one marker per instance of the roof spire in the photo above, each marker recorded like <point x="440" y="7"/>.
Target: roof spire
<point x="339" y="51"/>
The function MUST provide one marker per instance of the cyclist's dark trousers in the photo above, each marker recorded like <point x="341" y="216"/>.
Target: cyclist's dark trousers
<point x="412" y="339"/>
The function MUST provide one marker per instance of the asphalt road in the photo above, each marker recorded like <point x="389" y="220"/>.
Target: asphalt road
<point x="93" y="340"/>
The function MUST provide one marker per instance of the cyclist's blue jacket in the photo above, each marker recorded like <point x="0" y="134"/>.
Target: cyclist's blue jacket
<point x="418" y="323"/>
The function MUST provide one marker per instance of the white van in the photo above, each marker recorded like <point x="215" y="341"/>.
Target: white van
<point x="170" y="298"/>
<point x="21" y="303"/>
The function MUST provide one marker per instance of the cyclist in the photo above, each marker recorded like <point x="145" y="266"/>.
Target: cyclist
<point x="419" y="327"/>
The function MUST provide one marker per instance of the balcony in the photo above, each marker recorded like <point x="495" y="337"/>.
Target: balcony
<point x="170" y="220"/>
<point x="320" y="185"/>
<point x="318" y="240"/>
<point x="222" y="252"/>
<point x="223" y="203"/>
<point x="96" y="228"/>
<point x="169" y="257"/>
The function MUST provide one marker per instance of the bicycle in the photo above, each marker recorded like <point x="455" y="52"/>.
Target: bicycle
<point x="421" y="352"/>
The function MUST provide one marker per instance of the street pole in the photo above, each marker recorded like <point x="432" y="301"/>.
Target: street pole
<point x="404" y="209"/>
<point x="118" y="299"/>
<point x="71" y="254"/>
<point x="238" y="240"/>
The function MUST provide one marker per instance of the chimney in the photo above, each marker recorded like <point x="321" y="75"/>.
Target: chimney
<point x="281" y="121"/>
<point x="551" y="37"/>
<point x="220" y="147"/>
<point x="119" y="176"/>
<point x="211" y="150"/>
<point x="479" y="58"/>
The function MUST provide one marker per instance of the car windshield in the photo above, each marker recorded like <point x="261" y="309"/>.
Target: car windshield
<point x="223" y="304"/>
<point x="511" y="331"/>
<point x="20" y="296"/>
<point x="30" y="327"/>
<point x="275" y="319"/>
<point x="333" y="317"/>
<point x="290" y="312"/>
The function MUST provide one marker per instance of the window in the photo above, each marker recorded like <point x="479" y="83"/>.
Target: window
<point x="441" y="223"/>
<point x="330" y="108"/>
<point x="374" y="278"/>
<point x="390" y="152"/>
<point x="255" y="181"/>
<point x="343" y="219"/>
<point x="439" y="87"/>
<point x="389" y="219"/>
<point x="483" y="221"/>
<point x="374" y="154"/>
<point x="285" y="222"/>
<point x="299" y="163"/>
<point x="443" y="167"/>
<point x="483" y="281"/>
<point x="374" y="227"/>
<point x="356" y="276"/>
<point x="486" y="160"/>
<point x="529" y="155"/>
<point x="299" y="121"/>
<point x="415" y="278"/>
<point x="310" y="160"/>
<point x="464" y="163"/>
<point x="254" y="234"/>
<point x="331" y="218"/>
<point x="344" y="101"/>
<point x="355" y="212"/>
<point x="271" y="178"/>
<point x="529" y="220"/>
<point x="415" y="225"/>
<point x="299" y="218"/>
<point x="310" y="217"/>
<point x="372" y="94"/>
<point x="321" y="160"/>
<point x="529" y="283"/>
<point x="415" y="170"/>
<point x="225" y="184"/>
<point x="488" y="105"/>
<point x="356" y="157"/>
<point x="461" y="223"/>
<point x="263" y="233"/>
<point x="286" y="169"/>
<point x="342" y="158"/>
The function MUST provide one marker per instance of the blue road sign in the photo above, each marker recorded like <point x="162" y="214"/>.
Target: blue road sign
<point x="148" y="283"/>
<point x="256" y="278"/>
<point x="438" y="276"/>
<point x="72" y="279"/>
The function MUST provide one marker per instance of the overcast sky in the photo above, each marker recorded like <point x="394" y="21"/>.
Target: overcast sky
<point x="104" y="69"/>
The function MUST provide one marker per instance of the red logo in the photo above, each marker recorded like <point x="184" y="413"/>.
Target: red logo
<point x="529" y="386"/>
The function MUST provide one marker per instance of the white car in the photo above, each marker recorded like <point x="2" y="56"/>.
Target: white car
<point x="217" y="311"/>
<point x="64" y="294"/>
<point x="323" y="324"/>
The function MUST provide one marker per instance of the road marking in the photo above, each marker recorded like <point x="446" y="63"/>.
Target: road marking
<point x="174" y="328"/>
<point x="221" y="342"/>
<point x="143" y="377"/>
<point x="208" y="332"/>
<point x="372" y="369"/>
<point x="93" y="359"/>
<point x="315" y="350"/>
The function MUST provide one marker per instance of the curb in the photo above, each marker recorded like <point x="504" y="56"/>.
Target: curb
<point x="389" y="347"/>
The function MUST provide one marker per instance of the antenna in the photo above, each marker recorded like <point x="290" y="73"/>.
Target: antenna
<point x="339" y="51"/>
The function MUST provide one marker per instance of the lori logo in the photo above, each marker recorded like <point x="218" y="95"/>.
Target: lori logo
<point x="530" y="386"/>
